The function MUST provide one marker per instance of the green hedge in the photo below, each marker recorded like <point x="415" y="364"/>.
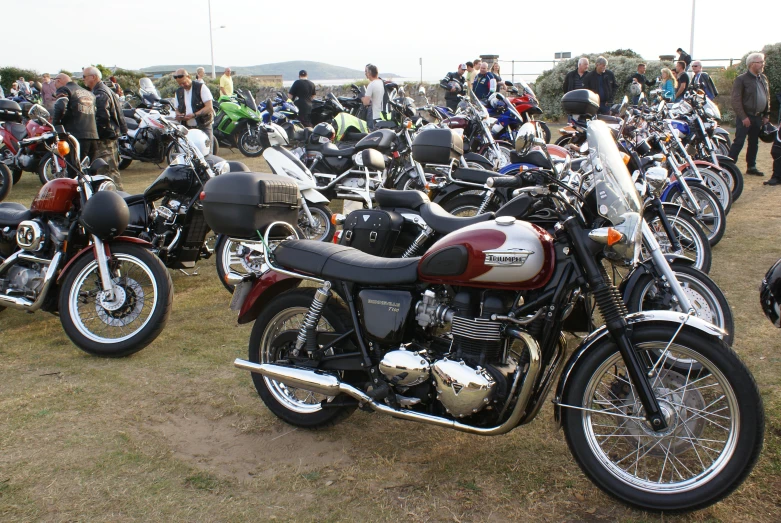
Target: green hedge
<point x="12" y="74"/>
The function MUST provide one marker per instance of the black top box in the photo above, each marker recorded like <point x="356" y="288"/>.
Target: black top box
<point x="439" y="146"/>
<point x="10" y="111"/>
<point x="242" y="204"/>
<point x="580" y="102"/>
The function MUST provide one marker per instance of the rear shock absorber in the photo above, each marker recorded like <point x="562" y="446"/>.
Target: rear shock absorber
<point x="424" y="235"/>
<point x="307" y="335"/>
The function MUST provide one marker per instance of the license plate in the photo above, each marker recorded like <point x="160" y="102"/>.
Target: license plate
<point x="240" y="294"/>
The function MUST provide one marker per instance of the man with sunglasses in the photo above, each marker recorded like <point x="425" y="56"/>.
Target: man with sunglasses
<point x="194" y="104"/>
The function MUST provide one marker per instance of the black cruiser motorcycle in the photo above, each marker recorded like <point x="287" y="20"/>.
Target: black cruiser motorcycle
<point x="470" y="337"/>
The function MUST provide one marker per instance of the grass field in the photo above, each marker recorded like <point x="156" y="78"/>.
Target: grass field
<point x="176" y="433"/>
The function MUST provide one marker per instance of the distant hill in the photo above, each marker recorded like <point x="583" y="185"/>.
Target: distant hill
<point x="288" y="70"/>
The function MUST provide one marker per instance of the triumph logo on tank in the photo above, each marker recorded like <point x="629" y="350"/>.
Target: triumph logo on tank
<point x="507" y="257"/>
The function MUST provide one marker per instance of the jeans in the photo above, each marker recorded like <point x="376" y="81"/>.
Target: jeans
<point x="210" y="133"/>
<point x="605" y="108"/>
<point x="451" y="103"/>
<point x="635" y="99"/>
<point x="741" y="132"/>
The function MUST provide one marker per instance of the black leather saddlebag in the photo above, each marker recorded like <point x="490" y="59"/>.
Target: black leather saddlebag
<point x="372" y="231"/>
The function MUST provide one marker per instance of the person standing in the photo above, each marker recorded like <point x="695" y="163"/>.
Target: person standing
<point x="47" y="92"/>
<point x="226" y="83"/>
<point x="375" y="92"/>
<point x="113" y="84"/>
<point x="602" y="81"/>
<point x="453" y="84"/>
<point x="637" y="83"/>
<point x="683" y="80"/>
<point x="302" y="92"/>
<point x="199" y="74"/>
<point x="751" y="103"/>
<point x="704" y="80"/>
<point x="668" y="84"/>
<point x="470" y="74"/>
<point x="775" y="153"/>
<point x="194" y="107"/>
<point x="74" y="108"/>
<point x="485" y="83"/>
<point x="109" y="120"/>
<point x="574" y="79"/>
<point x="684" y="57"/>
<point x="24" y="87"/>
<point x="2" y="93"/>
<point x="496" y="70"/>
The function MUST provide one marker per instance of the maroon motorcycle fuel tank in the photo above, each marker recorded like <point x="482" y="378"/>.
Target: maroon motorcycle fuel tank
<point x="501" y="254"/>
<point x="456" y="122"/>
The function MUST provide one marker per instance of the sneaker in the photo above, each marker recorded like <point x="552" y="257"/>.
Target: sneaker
<point x="773" y="181"/>
<point x="754" y="171"/>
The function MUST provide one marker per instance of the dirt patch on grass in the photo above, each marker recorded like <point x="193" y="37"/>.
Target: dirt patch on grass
<point x="221" y="447"/>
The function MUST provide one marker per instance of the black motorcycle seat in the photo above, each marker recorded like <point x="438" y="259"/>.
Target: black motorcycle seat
<point x="130" y="199"/>
<point x="478" y="176"/>
<point x="384" y="124"/>
<point x="12" y="214"/>
<point x="350" y="136"/>
<point x="444" y="223"/>
<point x="534" y="157"/>
<point x="340" y="262"/>
<point x="18" y="130"/>
<point x="329" y="149"/>
<point x="129" y="113"/>
<point x="131" y="124"/>
<point x="390" y="199"/>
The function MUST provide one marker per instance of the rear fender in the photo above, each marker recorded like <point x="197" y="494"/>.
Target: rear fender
<point x="601" y="334"/>
<point x="314" y="196"/>
<point x="270" y="285"/>
<point x="89" y="248"/>
<point x="478" y="158"/>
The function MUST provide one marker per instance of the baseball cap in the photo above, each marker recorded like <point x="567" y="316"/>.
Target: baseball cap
<point x="461" y="66"/>
<point x="302" y="72"/>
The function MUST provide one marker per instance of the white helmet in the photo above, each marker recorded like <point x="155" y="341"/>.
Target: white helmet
<point x="199" y="140"/>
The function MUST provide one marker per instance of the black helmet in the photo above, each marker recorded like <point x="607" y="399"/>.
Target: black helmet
<point x="768" y="133"/>
<point x="105" y="215"/>
<point x="769" y="293"/>
<point x="322" y="133"/>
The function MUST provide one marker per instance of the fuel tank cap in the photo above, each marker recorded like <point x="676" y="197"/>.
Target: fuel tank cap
<point x="505" y="220"/>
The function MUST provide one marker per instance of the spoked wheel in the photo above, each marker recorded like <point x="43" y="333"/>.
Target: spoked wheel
<point x="172" y="152"/>
<point x="716" y="182"/>
<point x="467" y="205"/>
<point x="46" y="171"/>
<point x="236" y="256"/>
<point x="249" y="142"/>
<point x="6" y="181"/>
<point x="408" y="182"/>
<point x="503" y="155"/>
<point x="734" y="177"/>
<point x="694" y="242"/>
<point x="129" y="320"/>
<point x="321" y="229"/>
<point x="273" y="337"/>
<point x="711" y="215"/>
<point x="715" y="421"/>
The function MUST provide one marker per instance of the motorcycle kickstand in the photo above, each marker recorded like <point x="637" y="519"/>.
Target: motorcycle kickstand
<point x="194" y="273"/>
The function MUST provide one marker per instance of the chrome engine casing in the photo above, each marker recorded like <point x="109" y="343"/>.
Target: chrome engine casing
<point x="30" y="236"/>
<point x="403" y="367"/>
<point x="461" y="389"/>
<point x="23" y="280"/>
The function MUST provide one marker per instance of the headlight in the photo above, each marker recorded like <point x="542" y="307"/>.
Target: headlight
<point x="624" y="239"/>
<point x="107" y="186"/>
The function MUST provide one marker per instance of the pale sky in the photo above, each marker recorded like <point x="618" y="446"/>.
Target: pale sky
<point x="393" y="35"/>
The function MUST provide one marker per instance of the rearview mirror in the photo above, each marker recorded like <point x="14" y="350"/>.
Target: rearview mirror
<point x="525" y="139"/>
<point x="422" y="91"/>
<point x="508" y="83"/>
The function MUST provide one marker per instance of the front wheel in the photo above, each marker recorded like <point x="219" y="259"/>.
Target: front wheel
<point x="711" y="215"/>
<point x="273" y="336"/>
<point x="715" y="421"/>
<point x="6" y="181"/>
<point x="122" y="324"/>
<point x="46" y="172"/>
<point x="735" y="177"/>
<point x="694" y="243"/>
<point x="124" y="163"/>
<point x="249" y="142"/>
<point x="717" y="183"/>
<point x="320" y="228"/>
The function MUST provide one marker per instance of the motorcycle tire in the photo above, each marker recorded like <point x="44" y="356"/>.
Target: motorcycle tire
<point x="171" y="151"/>
<point x="407" y="182"/>
<point x="630" y="461"/>
<point x="731" y="169"/>
<point x="247" y="150"/>
<point x="16" y="174"/>
<point x="712" y="219"/>
<point x="692" y="238"/>
<point x="545" y="131"/>
<point x="274" y="332"/>
<point x="715" y="181"/>
<point x="323" y="230"/>
<point x="124" y="163"/>
<point x="706" y="297"/>
<point x="80" y="302"/>
<point x="45" y="172"/>
<point x="6" y="181"/>
<point x="465" y="205"/>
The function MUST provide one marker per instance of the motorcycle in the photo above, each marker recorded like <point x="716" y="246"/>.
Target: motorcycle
<point x="470" y="337"/>
<point x="67" y="255"/>
<point x="506" y="124"/>
<point x="21" y="148"/>
<point x="348" y="125"/>
<point x="236" y="123"/>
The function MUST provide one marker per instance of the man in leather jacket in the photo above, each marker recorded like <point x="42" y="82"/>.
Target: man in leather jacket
<point x="74" y="108"/>
<point x="194" y="107"/>
<point x="751" y="103"/>
<point x="603" y="82"/>
<point x="452" y="91"/>
<point x="109" y="119"/>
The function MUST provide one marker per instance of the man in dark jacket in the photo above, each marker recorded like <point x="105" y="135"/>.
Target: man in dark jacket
<point x="603" y="82"/>
<point x="453" y="84"/>
<point x="485" y="83"/>
<point x="74" y="108"/>
<point x="751" y="103"/>
<point x="109" y="120"/>
<point x="302" y="92"/>
<point x="637" y="83"/>
<point x="703" y="79"/>
<point x="574" y="78"/>
<point x="684" y="57"/>
<point x="194" y="107"/>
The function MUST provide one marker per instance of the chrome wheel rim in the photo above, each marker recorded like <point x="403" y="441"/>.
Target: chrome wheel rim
<point x="701" y="410"/>
<point x="691" y="243"/>
<point x="112" y="321"/>
<point x="718" y="185"/>
<point x="250" y="143"/>
<point x="319" y="229"/>
<point x="296" y="400"/>
<point x="709" y="215"/>
<point x="705" y="303"/>
<point x="241" y="259"/>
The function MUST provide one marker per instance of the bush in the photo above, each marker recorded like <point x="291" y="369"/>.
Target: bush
<point x="12" y="74"/>
<point x="549" y="85"/>
<point x="168" y="86"/>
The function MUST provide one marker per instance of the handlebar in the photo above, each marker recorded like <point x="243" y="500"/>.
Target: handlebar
<point x="504" y="181"/>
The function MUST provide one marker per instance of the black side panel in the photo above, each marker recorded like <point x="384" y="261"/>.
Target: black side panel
<point x="451" y="261"/>
<point x="384" y="314"/>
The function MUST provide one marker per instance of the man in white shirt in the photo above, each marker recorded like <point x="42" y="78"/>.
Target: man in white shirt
<point x="375" y="92"/>
<point x="194" y="104"/>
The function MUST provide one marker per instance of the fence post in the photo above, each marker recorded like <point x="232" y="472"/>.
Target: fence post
<point x="513" y="70"/>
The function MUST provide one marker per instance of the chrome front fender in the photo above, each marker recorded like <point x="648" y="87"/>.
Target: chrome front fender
<point x="633" y="319"/>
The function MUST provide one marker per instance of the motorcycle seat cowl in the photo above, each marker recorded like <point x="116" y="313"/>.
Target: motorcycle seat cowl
<point x="340" y="262"/>
<point x="329" y="149"/>
<point x="390" y="198"/>
<point x="131" y="124"/>
<point x="12" y="214"/>
<point x="478" y="176"/>
<point x="444" y="223"/>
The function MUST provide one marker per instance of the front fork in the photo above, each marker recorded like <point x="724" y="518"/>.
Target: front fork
<point x="664" y="268"/>
<point x="668" y="228"/>
<point x="106" y="280"/>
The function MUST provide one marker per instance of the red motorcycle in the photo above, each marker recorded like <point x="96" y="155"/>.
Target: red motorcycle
<point x="20" y="152"/>
<point x="527" y="105"/>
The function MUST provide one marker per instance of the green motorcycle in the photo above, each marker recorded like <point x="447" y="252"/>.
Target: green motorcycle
<point x="237" y="123"/>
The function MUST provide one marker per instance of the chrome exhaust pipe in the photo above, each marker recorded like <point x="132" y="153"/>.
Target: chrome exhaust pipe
<point x="329" y="385"/>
